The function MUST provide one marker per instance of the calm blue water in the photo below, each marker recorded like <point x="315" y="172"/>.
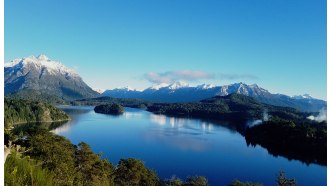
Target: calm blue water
<point x="182" y="147"/>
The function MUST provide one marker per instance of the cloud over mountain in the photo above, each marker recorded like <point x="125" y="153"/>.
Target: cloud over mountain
<point x="237" y="76"/>
<point x="180" y="75"/>
<point x="192" y="76"/>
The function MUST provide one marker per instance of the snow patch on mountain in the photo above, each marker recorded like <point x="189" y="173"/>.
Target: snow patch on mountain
<point x="127" y="88"/>
<point x="177" y="85"/>
<point x="158" y="86"/>
<point x="42" y="63"/>
<point x="98" y="90"/>
<point x="304" y="96"/>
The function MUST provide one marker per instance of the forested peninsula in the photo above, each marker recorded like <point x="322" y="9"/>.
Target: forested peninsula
<point x="25" y="111"/>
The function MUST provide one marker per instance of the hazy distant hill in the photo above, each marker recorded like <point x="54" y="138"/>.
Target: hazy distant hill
<point x="180" y="92"/>
<point x="41" y="78"/>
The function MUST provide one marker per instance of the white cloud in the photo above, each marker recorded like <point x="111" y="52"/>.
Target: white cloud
<point x="237" y="76"/>
<point x="322" y="116"/>
<point x="181" y="75"/>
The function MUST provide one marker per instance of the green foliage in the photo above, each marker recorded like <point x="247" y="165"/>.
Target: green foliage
<point x="24" y="111"/>
<point x="196" y="181"/>
<point x="239" y="183"/>
<point x="34" y="95"/>
<point x="78" y="165"/>
<point x="132" y="172"/>
<point x="174" y="181"/>
<point x="126" y="102"/>
<point x="57" y="155"/>
<point x="26" y="171"/>
<point x="283" y="181"/>
<point x="234" y="107"/>
<point x="191" y="181"/>
<point x="112" y="108"/>
<point x="90" y="168"/>
<point x="285" y="137"/>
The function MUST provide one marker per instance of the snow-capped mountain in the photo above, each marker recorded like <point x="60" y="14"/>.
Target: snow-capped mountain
<point x="158" y="86"/>
<point x="177" y="85"/>
<point x="43" y="76"/>
<point x="304" y="96"/>
<point x="98" y="90"/>
<point x="180" y="92"/>
<point x="43" y="64"/>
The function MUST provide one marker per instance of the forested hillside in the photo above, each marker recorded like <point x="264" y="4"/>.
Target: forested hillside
<point x="24" y="111"/>
<point x="234" y="107"/>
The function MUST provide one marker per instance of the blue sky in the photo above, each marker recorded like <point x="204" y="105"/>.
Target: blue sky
<point x="279" y="45"/>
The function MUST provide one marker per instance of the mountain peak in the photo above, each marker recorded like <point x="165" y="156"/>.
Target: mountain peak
<point x="43" y="57"/>
<point x="182" y="92"/>
<point x="177" y="85"/>
<point x="41" y="62"/>
<point x="158" y="86"/>
<point x="127" y="88"/>
<point x="46" y="76"/>
<point x="304" y="96"/>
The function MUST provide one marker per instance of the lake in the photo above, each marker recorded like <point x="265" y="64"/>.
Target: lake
<point x="182" y="147"/>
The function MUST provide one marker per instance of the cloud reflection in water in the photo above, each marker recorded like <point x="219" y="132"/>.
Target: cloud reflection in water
<point x="63" y="129"/>
<point x="175" y="132"/>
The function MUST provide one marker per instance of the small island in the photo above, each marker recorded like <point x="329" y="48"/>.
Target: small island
<point x="113" y="108"/>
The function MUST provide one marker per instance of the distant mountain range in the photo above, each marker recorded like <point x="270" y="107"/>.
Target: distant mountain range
<point x="41" y="78"/>
<point x="181" y="92"/>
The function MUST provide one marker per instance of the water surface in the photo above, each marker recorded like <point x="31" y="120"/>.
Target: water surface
<point x="182" y="147"/>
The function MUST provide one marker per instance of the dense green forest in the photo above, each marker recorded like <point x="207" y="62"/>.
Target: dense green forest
<point x="34" y="95"/>
<point x="303" y="140"/>
<point x="231" y="107"/>
<point x="125" y="102"/>
<point x="234" y="107"/>
<point x="24" y="111"/>
<point x="110" y="108"/>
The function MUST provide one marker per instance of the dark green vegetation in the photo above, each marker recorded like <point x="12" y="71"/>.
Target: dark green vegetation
<point x="55" y="161"/>
<point x="35" y="95"/>
<point x="112" y="108"/>
<point x="239" y="183"/>
<point x="191" y="180"/>
<point x="23" y="111"/>
<point x="234" y="107"/>
<point x="295" y="139"/>
<point x="133" y="103"/>
<point x="21" y="170"/>
<point x="282" y="180"/>
<point x="132" y="172"/>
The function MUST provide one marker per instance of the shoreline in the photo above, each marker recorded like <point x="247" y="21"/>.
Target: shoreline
<point x="18" y="123"/>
